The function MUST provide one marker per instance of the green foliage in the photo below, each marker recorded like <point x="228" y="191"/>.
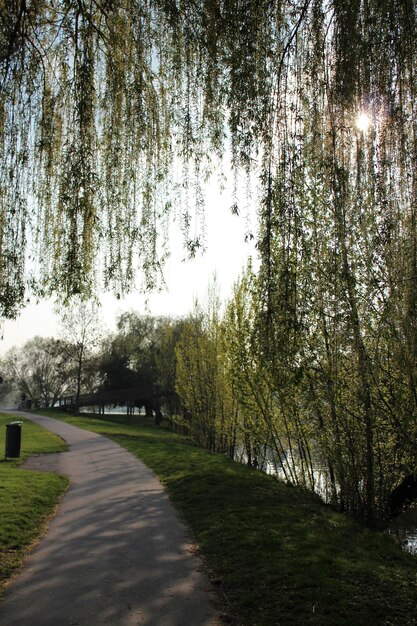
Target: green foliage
<point x="141" y="354"/>
<point x="333" y="401"/>
<point x="166" y="364"/>
<point x="99" y="100"/>
<point x="201" y="384"/>
<point x="311" y="384"/>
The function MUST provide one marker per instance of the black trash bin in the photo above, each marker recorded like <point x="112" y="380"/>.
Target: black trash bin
<point x="13" y="439"/>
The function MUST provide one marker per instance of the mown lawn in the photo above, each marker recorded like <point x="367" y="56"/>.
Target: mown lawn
<point x="27" y="498"/>
<point x="276" y="554"/>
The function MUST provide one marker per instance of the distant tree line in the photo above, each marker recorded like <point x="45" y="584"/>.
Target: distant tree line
<point x="140" y="354"/>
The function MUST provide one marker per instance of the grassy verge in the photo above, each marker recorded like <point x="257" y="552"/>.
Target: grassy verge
<point x="27" y="498"/>
<point x="275" y="552"/>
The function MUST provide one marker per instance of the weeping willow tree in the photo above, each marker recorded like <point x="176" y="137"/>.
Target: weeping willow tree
<point x="101" y="102"/>
<point x="337" y="324"/>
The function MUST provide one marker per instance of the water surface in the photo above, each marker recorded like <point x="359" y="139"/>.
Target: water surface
<point x="404" y="527"/>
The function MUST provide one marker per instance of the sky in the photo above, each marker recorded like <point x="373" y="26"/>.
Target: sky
<point x="225" y="256"/>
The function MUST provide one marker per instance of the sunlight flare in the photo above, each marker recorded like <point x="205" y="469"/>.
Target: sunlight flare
<point x="363" y="121"/>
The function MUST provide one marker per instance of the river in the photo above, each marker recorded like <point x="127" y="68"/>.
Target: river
<point x="404" y="527"/>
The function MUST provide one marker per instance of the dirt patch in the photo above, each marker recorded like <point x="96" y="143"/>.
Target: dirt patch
<point x="44" y="462"/>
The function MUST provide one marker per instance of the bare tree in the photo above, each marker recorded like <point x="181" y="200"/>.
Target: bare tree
<point x="81" y="328"/>
<point x="39" y="370"/>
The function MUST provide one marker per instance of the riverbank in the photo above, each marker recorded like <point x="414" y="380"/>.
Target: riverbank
<point x="276" y="554"/>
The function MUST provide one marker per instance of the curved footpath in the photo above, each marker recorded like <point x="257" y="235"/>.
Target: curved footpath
<point x="116" y="552"/>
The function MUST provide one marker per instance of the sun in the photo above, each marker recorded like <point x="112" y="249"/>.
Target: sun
<point x="363" y="121"/>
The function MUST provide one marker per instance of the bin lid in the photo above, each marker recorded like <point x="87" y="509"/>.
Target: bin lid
<point x="17" y="423"/>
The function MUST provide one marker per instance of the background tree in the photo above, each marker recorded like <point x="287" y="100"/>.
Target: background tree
<point x="128" y="359"/>
<point x="39" y="370"/>
<point x="140" y="355"/>
<point x="166" y="364"/>
<point x="201" y="381"/>
<point x="82" y="331"/>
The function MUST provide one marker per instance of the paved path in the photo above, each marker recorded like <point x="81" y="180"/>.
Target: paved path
<point x="116" y="553"/>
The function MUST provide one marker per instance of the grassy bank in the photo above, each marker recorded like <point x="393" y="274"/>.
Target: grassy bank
<point x="27" y="498"/>
<point x="275" y="553"/>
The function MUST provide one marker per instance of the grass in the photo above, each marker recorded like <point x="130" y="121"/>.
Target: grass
<point x="27" y="498"/>
<point x="276" y="554"/>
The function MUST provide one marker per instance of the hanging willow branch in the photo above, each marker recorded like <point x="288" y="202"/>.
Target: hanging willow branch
<point x="98" y="100"/>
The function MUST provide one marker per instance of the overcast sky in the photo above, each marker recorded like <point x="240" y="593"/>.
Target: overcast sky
<point x="226" y="255"/>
